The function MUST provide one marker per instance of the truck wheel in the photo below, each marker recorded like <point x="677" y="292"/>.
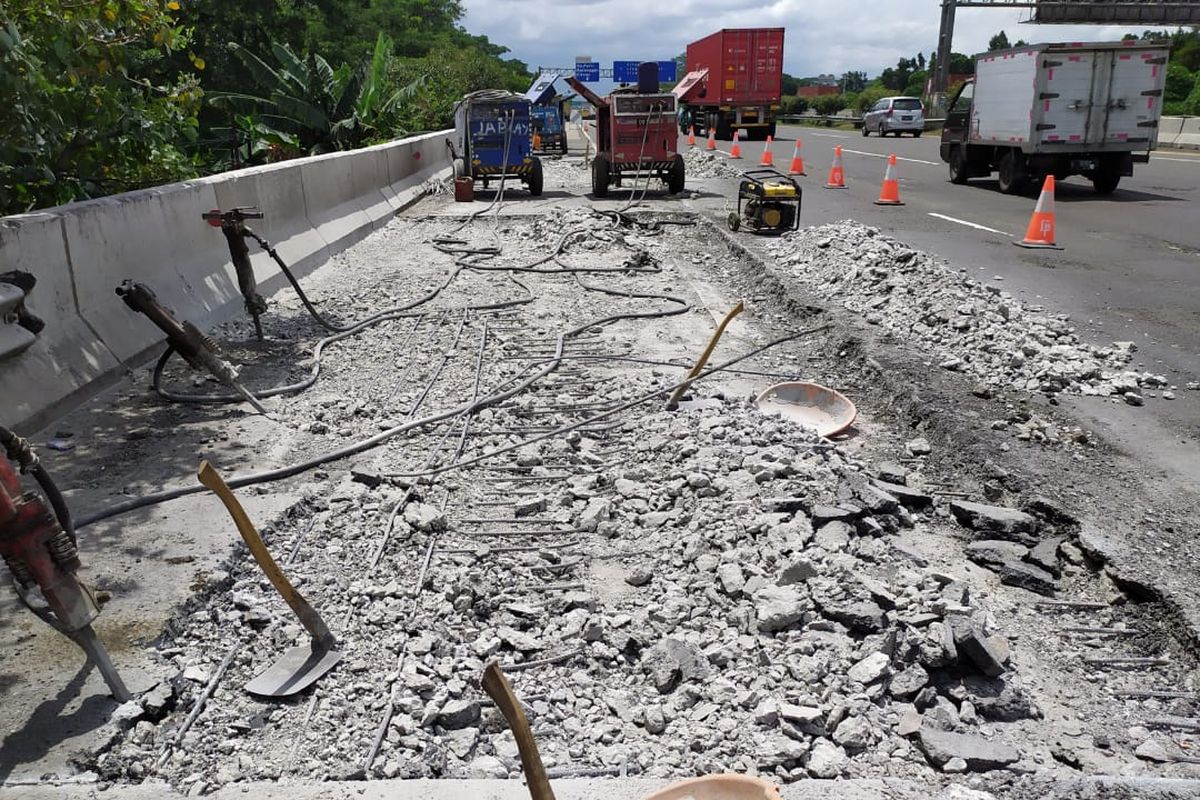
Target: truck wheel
<point x="1105" y="182"/>
<point x="1012" y="172"/>
<point x="724" y="129"/>
<point x="676" y="175"/>
<point x="600" y="176"/>
<point x="960" y="169"/>
<point x="535" y="178"/>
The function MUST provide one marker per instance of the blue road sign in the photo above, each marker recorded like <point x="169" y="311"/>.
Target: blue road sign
<point x="587" y="71"/>
<point x="625" y="71"/>
<point x="666" y="71"/>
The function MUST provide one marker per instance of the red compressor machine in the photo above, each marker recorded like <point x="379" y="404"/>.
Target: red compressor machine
<point x="636" y="136"/>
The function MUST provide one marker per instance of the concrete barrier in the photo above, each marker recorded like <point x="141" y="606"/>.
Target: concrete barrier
<point x="81" y="252"/>
<point x="1169" y="129"/>
<point x="68" y="356"/>
<point x="1189" y="135"/>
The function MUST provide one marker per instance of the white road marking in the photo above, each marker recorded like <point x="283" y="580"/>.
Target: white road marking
<point x="831" y="135"/>
<point x="898" y="158"/>
<point x="1168" y="158"/>
<point x="970" y="224"/>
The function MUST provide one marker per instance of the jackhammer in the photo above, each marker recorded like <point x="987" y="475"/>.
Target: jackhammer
<point x="233" y="224"/>
<point x="38" y="544"/>
<point x="198" y="350"/>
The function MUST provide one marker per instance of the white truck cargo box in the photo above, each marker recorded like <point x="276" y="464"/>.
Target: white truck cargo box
<point x="1093" y="97"/>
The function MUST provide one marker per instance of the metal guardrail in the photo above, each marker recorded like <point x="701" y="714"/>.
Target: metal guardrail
<point x="829" y="119"/>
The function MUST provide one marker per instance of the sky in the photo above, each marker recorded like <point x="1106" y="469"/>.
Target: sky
<point x="822" y="36"/>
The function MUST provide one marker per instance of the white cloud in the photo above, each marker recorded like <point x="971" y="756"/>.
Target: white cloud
<point x="822" y="35"/>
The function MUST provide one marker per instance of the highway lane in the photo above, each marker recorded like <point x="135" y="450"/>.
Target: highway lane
<point x="1129" y="270"/>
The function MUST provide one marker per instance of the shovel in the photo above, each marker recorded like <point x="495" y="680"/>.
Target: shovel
<point x="299" y="667"/>
<point x="498" y="688"/>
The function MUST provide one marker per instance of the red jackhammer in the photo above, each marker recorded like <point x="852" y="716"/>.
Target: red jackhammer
<point x="38" y="545"/>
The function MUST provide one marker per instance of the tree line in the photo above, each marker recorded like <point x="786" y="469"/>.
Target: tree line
<point x="105" y="96"/>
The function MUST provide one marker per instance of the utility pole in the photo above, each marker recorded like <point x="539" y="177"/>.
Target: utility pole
<point x="941" y="78"/>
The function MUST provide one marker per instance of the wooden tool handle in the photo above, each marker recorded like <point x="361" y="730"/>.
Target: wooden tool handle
<point x="498" y="688"/>
<point x="308" y="616"/>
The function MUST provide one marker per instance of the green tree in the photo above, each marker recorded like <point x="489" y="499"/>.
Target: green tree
<point x="88" y="108"/>
<point x="793" y="104"/>
<point x="449" y="73"/>
<point x="869" y="97"/>
<point x="828" y="104"/>
<point x="916" y="84"/>
<point x="1179" y="83"/>
<point x="854" y="81"/>
<point x="998" y="42"/>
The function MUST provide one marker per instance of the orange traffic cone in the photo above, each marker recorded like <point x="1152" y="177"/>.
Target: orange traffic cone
<point x="691" y="136"/>
<point x="1040" y="233"/>
<point x="797" y="160"/>
<point x="837" y="174"/>
<point x="736" y="150"/>
<point x="889" y="194"/>
<point x="712" y="140"/>
<point x="768" y="159"/>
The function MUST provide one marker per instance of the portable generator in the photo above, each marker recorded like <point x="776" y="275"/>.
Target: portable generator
<point x="636" y="136"/>
<point x="493" y="139"/>
<point x="768" y="202"/>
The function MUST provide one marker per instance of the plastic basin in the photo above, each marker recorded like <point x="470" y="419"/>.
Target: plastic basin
<point x="825" y="410"/>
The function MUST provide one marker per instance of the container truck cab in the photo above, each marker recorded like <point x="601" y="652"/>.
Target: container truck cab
<point x="493" y="139"/>
<point x="550" y="110"/>
<point x="1086" y="109"/>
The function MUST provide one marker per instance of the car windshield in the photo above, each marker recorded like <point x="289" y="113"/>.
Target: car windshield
<point x="907" y="104"/>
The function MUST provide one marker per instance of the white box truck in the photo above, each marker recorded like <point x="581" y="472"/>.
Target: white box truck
<point x="1076" y="108"/>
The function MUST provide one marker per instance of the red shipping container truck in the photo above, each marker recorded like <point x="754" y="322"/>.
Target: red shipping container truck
<point x="734" y="81"/>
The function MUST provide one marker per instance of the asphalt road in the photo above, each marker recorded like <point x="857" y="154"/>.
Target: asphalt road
<point x="1129" y="270"/>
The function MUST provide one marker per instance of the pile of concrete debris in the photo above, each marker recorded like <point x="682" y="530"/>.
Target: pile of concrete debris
<point x="972" y="327"/>
<point x="745" y="607"/>
<point x="705" y="164"/>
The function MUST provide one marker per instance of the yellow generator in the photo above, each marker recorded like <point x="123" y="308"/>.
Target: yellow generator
<point x="768" y="202"/>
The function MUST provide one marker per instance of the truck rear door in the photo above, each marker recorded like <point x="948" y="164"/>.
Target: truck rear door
<point x="1068" y="96"/>
<point x="1134" y="97"/>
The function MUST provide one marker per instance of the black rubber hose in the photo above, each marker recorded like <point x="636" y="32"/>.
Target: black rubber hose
<point x="20" y="451"/>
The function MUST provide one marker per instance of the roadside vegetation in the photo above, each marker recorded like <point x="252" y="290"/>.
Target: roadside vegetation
<point x="112" y="95"/>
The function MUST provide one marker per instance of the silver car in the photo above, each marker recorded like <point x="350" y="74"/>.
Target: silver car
<point x="895" y="115"/>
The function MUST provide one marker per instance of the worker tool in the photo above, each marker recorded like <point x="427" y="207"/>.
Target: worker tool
<point x="300" y="666"/>
<point x="635" y="128"/>
<point x="673" y="403"/>
<point x="501" y="692"/>
<point x="41" y="552"/>
<point x="493" y="139"/>
<point x="184" y="338"/>
<point x="768" y="202"/>
<point x="233" y="224"/>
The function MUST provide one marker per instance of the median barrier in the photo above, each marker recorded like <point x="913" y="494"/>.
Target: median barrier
<point x="81" y="252"/>
<point x="1169" y="129"/>
<point x="67" y="357"/>
<point x="1189" y="136"/>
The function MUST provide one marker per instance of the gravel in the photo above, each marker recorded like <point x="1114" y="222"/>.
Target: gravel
<point x="963" y="324"/>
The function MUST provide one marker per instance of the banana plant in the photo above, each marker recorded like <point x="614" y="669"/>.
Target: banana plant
<point x="304" y="104"/>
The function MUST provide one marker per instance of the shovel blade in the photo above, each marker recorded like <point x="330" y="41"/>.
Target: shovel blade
<point x="295" y="670"/>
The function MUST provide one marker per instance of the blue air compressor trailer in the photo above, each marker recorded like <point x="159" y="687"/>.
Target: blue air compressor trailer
<point x="550" y="112"/>
<point x="493" y="139"/>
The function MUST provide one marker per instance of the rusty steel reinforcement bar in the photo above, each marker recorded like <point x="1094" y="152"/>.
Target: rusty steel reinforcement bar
<point x="637" y="401"/>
